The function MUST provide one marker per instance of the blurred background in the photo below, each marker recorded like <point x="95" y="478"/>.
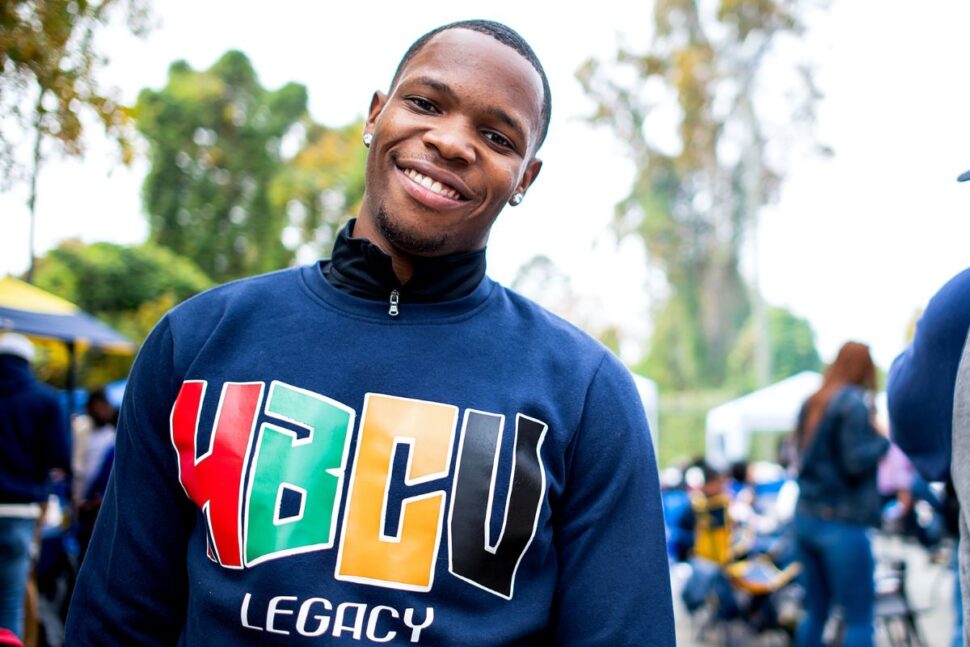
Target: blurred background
<point x="731" y="188"/>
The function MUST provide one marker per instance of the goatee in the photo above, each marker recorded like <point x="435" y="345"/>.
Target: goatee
<point x="405" y="240"/>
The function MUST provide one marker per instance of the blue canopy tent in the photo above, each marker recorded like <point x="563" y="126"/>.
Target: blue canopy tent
<point x="31" y="311"/>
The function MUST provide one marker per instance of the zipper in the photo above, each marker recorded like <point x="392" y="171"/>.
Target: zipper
<point x="395" y="299"/>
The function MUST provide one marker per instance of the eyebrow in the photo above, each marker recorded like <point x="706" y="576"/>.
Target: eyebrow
<point x="435" y="84"/>
<point x="498" y="113"/>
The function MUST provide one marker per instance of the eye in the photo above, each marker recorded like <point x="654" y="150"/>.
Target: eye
<point x="422" y="104"/>
<point x="498" y="140"/>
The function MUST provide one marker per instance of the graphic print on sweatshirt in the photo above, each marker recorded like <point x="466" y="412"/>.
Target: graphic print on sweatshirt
<point x="291" y="500"/>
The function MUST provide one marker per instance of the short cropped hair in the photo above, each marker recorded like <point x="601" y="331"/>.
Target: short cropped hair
<point x="503" y="34"/>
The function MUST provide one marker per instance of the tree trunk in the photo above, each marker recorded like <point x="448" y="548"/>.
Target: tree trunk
<point x="34" y="172"/>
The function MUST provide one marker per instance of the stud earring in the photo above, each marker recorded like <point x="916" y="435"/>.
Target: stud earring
<point x="368" y="138"/>
<point x="516" y="199"/>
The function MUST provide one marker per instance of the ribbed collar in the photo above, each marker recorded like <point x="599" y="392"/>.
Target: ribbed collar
<point x="359" y="268"/>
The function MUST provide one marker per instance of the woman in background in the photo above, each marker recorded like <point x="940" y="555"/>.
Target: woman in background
<point x="839" y="450"/>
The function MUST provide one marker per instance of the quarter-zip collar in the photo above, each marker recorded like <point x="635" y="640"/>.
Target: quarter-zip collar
<point x="361" y="269"/>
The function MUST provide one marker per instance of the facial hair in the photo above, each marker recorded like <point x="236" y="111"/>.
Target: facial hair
<point x="407" y="241"/>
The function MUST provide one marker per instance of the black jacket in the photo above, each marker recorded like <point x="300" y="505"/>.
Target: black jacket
<point x="837" y="477"/>
<point x="34" y="434"/>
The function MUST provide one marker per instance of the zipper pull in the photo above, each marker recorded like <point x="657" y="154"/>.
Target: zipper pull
<point x="395" y="299"/>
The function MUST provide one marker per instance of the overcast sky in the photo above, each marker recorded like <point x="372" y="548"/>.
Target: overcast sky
<point x="856" y="244"/>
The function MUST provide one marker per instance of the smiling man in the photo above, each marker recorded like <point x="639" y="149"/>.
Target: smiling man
<point x="387" y="447"/>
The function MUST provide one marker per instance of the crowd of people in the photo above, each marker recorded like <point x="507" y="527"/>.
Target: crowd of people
<point x="321" y="452"/>
<point x="838" y="478"/>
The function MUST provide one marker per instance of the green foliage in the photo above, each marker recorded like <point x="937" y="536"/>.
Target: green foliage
<point x="48" y="75"/>
<point x="92" y="367"/>
<point x="673" y="360"/>
<point x="322" y="185"/>
<point x="128" y="287"/>
<point x="215" y="147"/>
<point x="792" y="350"/>
<point x="682" y="424"/>
<point x="687" y="108"/>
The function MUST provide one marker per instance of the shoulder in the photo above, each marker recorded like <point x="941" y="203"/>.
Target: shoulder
<point x="47" y="396"/>
<point x="956" y="291"/>
<point x="577" y="358"/>
<point x="222" y="311"/>
<point x="852" y="397"/>
<point x="551" y="327"/>
<point x="265" y="288"/>
<point x="238" y="302"/>
<point x="947" y="314"/>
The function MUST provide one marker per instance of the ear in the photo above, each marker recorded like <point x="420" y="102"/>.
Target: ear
<point x="377" y="103"/>
<point x="529" y="176"/>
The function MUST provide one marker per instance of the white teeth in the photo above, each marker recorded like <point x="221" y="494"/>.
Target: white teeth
<point x="432" y="185"/>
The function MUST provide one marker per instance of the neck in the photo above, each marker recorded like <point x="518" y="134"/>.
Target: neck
<point x="362" y="268"/>
<point x="366" y="227"/>
<point x="403" y="266"/>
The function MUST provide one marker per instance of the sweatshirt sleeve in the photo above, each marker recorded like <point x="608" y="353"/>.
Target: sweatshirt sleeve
<point x="132" y="587"/>
<point x="922" y="380"/>
<point x="614" y="586"/>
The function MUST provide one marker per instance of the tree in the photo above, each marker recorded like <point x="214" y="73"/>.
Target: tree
<point x="48" y="69"/>
<point x="792" y="349"/>
<point x="320" y="187"/>
<point x="707" y="157"/>
<point x="215" y="146"/>
<point x="128" y="287"/>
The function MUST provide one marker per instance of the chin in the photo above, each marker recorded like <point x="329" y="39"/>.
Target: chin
<point x="409" y="239"/>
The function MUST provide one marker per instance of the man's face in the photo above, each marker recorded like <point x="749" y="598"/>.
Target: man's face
<point x="452" y="143"/>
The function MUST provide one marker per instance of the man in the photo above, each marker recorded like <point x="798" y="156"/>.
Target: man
<point x="388" y="447"/>
<point x="33" y="441"/>
<point x="929" y="402"/>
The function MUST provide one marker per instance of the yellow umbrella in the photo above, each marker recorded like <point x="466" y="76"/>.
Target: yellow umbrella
<point x="29" y="310"/>
<point x="32" y="311"/>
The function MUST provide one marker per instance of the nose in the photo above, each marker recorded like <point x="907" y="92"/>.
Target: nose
<point x="453" y="139"/>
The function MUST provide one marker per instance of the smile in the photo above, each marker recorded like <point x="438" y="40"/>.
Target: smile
<point x="432" y="185"/>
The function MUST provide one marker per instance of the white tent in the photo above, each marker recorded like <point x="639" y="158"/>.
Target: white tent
<point x="771" y="409"/>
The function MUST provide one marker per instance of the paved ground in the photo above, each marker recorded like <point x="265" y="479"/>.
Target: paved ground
<point x="929" y="586"/>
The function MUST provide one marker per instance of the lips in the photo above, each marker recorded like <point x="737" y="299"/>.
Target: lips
<point x="432" y="185"/>
<point x="434" y="179"/>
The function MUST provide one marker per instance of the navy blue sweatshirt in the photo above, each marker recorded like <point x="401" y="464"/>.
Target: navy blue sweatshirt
<point x="34" y="436"/>
<point x="922" y="386"/>
<point x="295" y="466"/>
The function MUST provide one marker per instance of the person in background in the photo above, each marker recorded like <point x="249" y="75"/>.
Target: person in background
<point x="894" y="480"/>
<point x="707" y="522"/>
<point x="740" y="481"/>
<point x="97" y="443"/>
<point x="929" y="402"/>
<point x="839" y="452"/>
<point x="97" y="457"/>
<point x="710" y="517"/>
<point x="34" y="440"/>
